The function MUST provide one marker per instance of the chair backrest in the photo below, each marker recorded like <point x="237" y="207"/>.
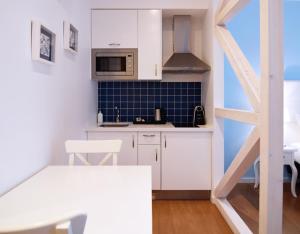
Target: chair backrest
<point x="66" y="223"/>
<point x="75" y="148"/>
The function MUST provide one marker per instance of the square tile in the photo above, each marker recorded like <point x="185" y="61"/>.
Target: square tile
<point x="157" y="92"/>
<point x="150" y="92"/>
<point x="130" y="105"/>
<point x="144" y="85"/>
<point x="151" y="85"/>
<point x="116" y="84"/>
<point x="130" y="85"/>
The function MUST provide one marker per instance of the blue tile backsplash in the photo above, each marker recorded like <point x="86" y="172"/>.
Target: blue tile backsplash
<point x="140" y="98"/>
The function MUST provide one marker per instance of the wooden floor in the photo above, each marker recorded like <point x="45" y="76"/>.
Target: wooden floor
<point x="187" y="217"/>
<point x="245" y="200"/>
<point x="201" y="216"/>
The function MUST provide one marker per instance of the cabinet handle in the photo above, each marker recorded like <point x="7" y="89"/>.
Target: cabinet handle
<point x="114" y="44"/>
<point x="155" y="69"/>
<point x="132" y="141"/>
<point x="147" y="135"/>
<point x="165" y="142"/>
<point x="156" y="155"/>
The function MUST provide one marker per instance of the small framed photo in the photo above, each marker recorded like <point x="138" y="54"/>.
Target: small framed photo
<point x="42" y="43"/>
<point x="70" y="37"/>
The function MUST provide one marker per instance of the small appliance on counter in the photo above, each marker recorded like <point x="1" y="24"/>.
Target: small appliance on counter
<point x="159" y="118"/>
<point x="160" y="115"/>
<point x="139" y="120"/>
<point x="199" y="116"/>
<point x="198" y="119"/>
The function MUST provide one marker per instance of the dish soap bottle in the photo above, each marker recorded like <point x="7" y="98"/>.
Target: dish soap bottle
<point x="99" y="119"/>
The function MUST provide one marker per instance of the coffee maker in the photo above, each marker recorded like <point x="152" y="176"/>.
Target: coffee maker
<point x="199" y="116"/>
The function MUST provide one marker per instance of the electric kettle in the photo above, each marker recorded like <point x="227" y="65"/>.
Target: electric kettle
<point x="159" y="115"/>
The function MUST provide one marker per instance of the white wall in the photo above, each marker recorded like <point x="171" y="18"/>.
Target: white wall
<point x="156" y="4"/>
<point x="41" y="105"/>
<point x="213" y="95"/>
<point x="291" y="111"/>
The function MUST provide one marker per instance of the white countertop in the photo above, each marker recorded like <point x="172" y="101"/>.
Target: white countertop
<point x="116" y="199"/>
<point x="168" y="127"/>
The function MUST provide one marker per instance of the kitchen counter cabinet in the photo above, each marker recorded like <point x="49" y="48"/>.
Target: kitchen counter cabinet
<point x="149" y="155"/>
<point x="186" y="161"/>
<point x="128" y="153"/>
<point x="180" y="157"/>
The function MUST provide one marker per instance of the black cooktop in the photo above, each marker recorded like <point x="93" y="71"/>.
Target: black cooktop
<point x="184" y="125"/>
<point x="149" y="122"/>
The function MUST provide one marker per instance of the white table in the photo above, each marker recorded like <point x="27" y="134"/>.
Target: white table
<point x="115" y="199"/>
<point x="288" y="159"/>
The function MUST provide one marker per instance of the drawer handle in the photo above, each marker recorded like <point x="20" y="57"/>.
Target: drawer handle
<point x="156" y="155"/>
<point x="155" y="69"/>
<point x="149" y="135"/>
<point x="165" y="142"/>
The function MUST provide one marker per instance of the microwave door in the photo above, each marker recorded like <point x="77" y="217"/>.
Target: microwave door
<point x="114" y="64"/>
<point x="111" y="65"/>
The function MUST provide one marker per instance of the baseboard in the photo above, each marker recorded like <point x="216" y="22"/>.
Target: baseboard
<point x="181" y="194"/>
<point x="251" y="180"/>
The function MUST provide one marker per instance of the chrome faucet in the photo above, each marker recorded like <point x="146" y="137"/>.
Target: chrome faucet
<point x="118" y="114"/>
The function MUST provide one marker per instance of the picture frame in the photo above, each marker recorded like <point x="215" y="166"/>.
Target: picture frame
<point x="43" y="43"/>
<point x="70" y="37"/>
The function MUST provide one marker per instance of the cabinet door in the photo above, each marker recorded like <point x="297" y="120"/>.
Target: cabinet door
<point x="150" y="44"/>
<point x="114" y="28"/>
<point x="128" y="153"/>
<point x="186" y="161"/>
<point x="150" y="155"/>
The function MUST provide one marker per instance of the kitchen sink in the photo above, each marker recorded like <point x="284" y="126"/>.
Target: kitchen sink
<point x="117" y="124"/>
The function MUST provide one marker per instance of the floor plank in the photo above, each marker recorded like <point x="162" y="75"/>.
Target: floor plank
<point x="187" y="216"/>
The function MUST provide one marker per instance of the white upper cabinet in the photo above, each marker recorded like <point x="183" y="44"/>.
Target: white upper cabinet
<point x="114" y="29"/>
<point x="150" y="44"/>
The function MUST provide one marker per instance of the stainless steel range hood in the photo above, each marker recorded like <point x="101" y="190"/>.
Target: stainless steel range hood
<point x="182" y="60"/>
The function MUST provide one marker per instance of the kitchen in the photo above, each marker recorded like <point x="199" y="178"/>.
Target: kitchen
<point x="156" y="112"/>
<point x="148" y="74"/>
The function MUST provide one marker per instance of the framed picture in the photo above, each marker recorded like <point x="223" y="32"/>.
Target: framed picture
<point x="70" y="37"/>
<point x="42" y="43"/>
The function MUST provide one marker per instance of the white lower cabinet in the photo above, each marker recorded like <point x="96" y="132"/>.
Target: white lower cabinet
<point x="186" y="161"/>
<point x="128" y="153"/>
<point x="179" y="160"/>
<point x="150" y="155"/>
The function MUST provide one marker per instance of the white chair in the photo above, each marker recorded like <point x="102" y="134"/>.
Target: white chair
<point x="67" y="223"/>
<point x="75" y="148"/>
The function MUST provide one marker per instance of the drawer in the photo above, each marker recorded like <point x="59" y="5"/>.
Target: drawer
<point x="149" y="138"/>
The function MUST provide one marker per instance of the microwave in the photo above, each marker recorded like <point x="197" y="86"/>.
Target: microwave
<point x="114" y="64"/>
